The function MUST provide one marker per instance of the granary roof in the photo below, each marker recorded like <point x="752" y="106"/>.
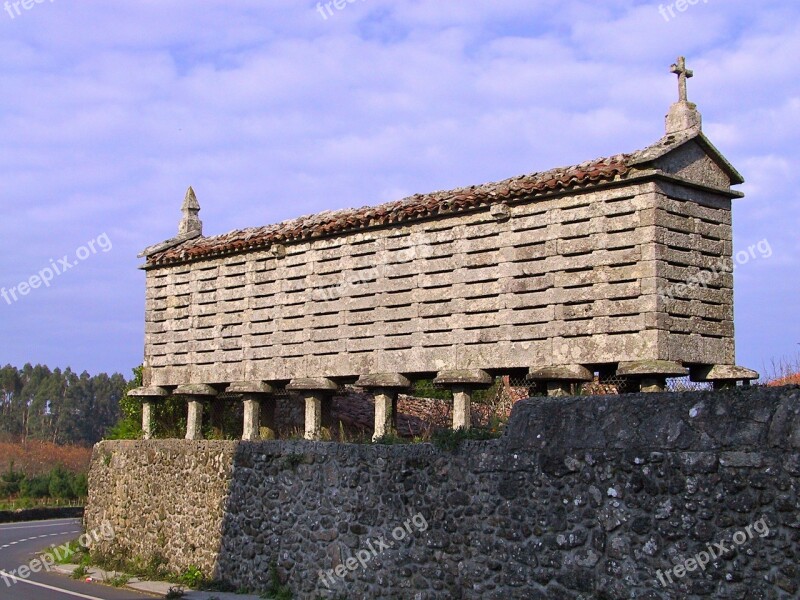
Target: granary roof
<point x="424" y="206"/>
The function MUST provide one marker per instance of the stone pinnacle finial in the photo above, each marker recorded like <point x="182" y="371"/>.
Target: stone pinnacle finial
<point x="683" y="115"/>
<point x="190" y="222"/>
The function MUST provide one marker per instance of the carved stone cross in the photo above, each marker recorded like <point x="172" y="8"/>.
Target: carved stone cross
<point x="683" y="74"/>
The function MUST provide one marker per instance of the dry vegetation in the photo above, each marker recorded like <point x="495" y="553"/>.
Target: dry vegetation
<point x="38" y="458"/>
<point x="785" y="371"/>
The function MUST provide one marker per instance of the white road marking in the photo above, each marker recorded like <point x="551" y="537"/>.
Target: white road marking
<point x="49" y="587"/>
<point x="59" y="524"/>
<point x="37" y="537"/>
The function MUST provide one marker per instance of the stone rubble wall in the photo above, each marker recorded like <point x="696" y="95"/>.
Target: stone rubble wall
<point x="570" y="279"/>
<point x="583" y="497"/>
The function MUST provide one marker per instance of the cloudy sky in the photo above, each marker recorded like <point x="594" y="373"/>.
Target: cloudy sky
<point x="274" y="109"/>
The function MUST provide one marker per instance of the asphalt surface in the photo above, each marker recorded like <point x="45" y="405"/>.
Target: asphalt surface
<point x="20" y="543"/>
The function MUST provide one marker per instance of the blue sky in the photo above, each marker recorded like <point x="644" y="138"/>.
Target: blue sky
<point x="110" y="110"/>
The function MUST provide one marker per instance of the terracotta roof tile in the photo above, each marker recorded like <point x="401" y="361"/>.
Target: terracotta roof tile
<point x="419" y="206"/>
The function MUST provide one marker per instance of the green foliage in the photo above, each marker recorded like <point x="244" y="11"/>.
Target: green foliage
<point x="56" y="406"/>
<point x="119" y="580"/>
<point x="450" y="439"/>
<point x="80" y="485"/>
<point x="277" y="590"/>
<point x="425" y="388"/>
<point x="125" y="429"/>
<point x="175" y="592"/>
<point x="129" y="425"/>
<point x="35" y="487"/>
<point x="193" y="577"/>
<point x="76" y="554"/>
<point x="80" y="572"/>
<point x="10" y="481"/>
<point x="58" y="484"/>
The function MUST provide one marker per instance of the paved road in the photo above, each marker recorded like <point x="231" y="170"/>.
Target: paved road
<point x="21" y="542"/>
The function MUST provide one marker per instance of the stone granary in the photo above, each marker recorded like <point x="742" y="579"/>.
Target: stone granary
<point x="619" y="266"/>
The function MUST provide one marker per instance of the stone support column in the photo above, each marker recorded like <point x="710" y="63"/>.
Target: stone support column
<point x="195" y="393"/>
<point x="463" y="383"/>
<point x="723" y="377"/>
<point x="559" y="380"/>
<point x="385" y="388"/>
<point x="255" y="396"/>
<point x="315" y="391"/>
<point x="148" y="397"/>
<point x="651" y="374"/>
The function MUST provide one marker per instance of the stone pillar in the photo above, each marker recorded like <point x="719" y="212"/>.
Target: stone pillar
<point x="651" y="374"/>
<point x="463" y="384"/>
<point x="313" y="419"/>
<point x="723" y="377"/>
<point x="254" y="395"/>
<point x="148" y="396"/>
<point x="195" y="393"/>
<point x="147" y="419"/>
<point x="194" y="419"/>
<point x="559" y="380"/>
<point x="251" y="426"/>
<point x="315" y="391"/>
<point x="385" y="387"/>
<point x="462" y="407"/>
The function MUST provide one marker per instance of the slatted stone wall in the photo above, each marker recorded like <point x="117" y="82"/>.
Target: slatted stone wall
<point x="564" y="280"/>
<point x="695" y="244"/>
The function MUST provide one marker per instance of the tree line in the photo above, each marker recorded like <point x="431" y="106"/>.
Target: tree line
<point x="58" y="406"/>
<point x="57" y="484"/>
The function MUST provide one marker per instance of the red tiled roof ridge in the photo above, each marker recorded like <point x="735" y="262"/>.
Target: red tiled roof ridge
<point x="418" y="206"/>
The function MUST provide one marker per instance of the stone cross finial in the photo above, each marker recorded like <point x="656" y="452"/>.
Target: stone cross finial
<point x="190" y="222"/>
<point x="683" y="74"/>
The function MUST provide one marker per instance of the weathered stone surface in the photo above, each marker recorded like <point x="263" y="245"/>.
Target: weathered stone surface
<point x="723" y="373"/>
<point x="383" y="381"/>
<point x="249" y="387"/>
<point x="643" y="368"/>
<point x="462" y="377"/>
<point x="561" y="373"/>
<point x="385" y="413"/>
<point x="194" y="420"/>
<point x="594" y="275"/>
<point x="319" y="384"/>
<point x="147" y="417"/>
<point x="462" y="413"/>
<point x="585" y="497"/>
<point x="153" y="392"/>
<point x="195" y="389"/>
<point x="251" y="425"/>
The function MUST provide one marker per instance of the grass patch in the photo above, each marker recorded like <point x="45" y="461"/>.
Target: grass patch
<point x="450" y="439"/>
<point x="277" y="590"/>
<point x="80" y="572"/>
